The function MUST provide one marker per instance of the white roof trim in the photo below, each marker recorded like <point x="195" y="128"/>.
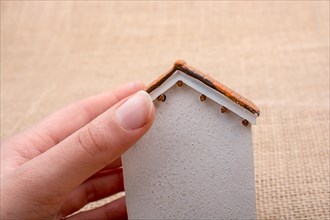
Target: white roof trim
<point x="206" y="90"/>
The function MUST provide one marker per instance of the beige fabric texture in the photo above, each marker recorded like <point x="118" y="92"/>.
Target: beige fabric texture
<point x="274" y="53"/>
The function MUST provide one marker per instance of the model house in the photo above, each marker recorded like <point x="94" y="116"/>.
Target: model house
<point x="196" y="162"/>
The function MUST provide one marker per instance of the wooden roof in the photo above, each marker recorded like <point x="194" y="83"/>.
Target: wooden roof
<point x="207" y="80"/>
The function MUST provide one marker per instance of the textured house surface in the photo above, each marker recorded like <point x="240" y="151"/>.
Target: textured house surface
<point x="196" y="161"/>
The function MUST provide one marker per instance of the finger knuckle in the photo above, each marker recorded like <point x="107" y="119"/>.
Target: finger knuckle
<point x="91" y="141"/>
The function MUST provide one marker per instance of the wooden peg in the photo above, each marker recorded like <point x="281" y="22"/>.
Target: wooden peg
<point x="245" y="122"/>
<point x="202" y="97"/>
<point x="179" y="83"/>
<point x="161" y="98"/>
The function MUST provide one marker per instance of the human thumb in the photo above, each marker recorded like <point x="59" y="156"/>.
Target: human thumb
<point x="92" y="147"/>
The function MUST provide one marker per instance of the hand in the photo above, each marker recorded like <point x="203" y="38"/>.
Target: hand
<point x="72" y="157"/>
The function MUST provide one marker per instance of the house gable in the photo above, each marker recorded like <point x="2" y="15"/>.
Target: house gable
<point x="206" y="86"/>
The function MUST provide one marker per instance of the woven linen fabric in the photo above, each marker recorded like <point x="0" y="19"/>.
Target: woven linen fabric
<point x="274" y="53"/>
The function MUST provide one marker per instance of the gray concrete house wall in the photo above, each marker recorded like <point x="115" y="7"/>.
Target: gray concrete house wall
<point x="194" y="163"/>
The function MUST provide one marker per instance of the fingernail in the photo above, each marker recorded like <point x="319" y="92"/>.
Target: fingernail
<point x="135" y="112"/>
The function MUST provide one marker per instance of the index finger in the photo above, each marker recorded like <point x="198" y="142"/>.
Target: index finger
<point x="61" y="124"/>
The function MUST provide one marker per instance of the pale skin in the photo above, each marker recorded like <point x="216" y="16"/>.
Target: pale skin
<point x="72" y="157"/>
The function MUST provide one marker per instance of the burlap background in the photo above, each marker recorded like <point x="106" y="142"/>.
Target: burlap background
<point x="274" y="53"/>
